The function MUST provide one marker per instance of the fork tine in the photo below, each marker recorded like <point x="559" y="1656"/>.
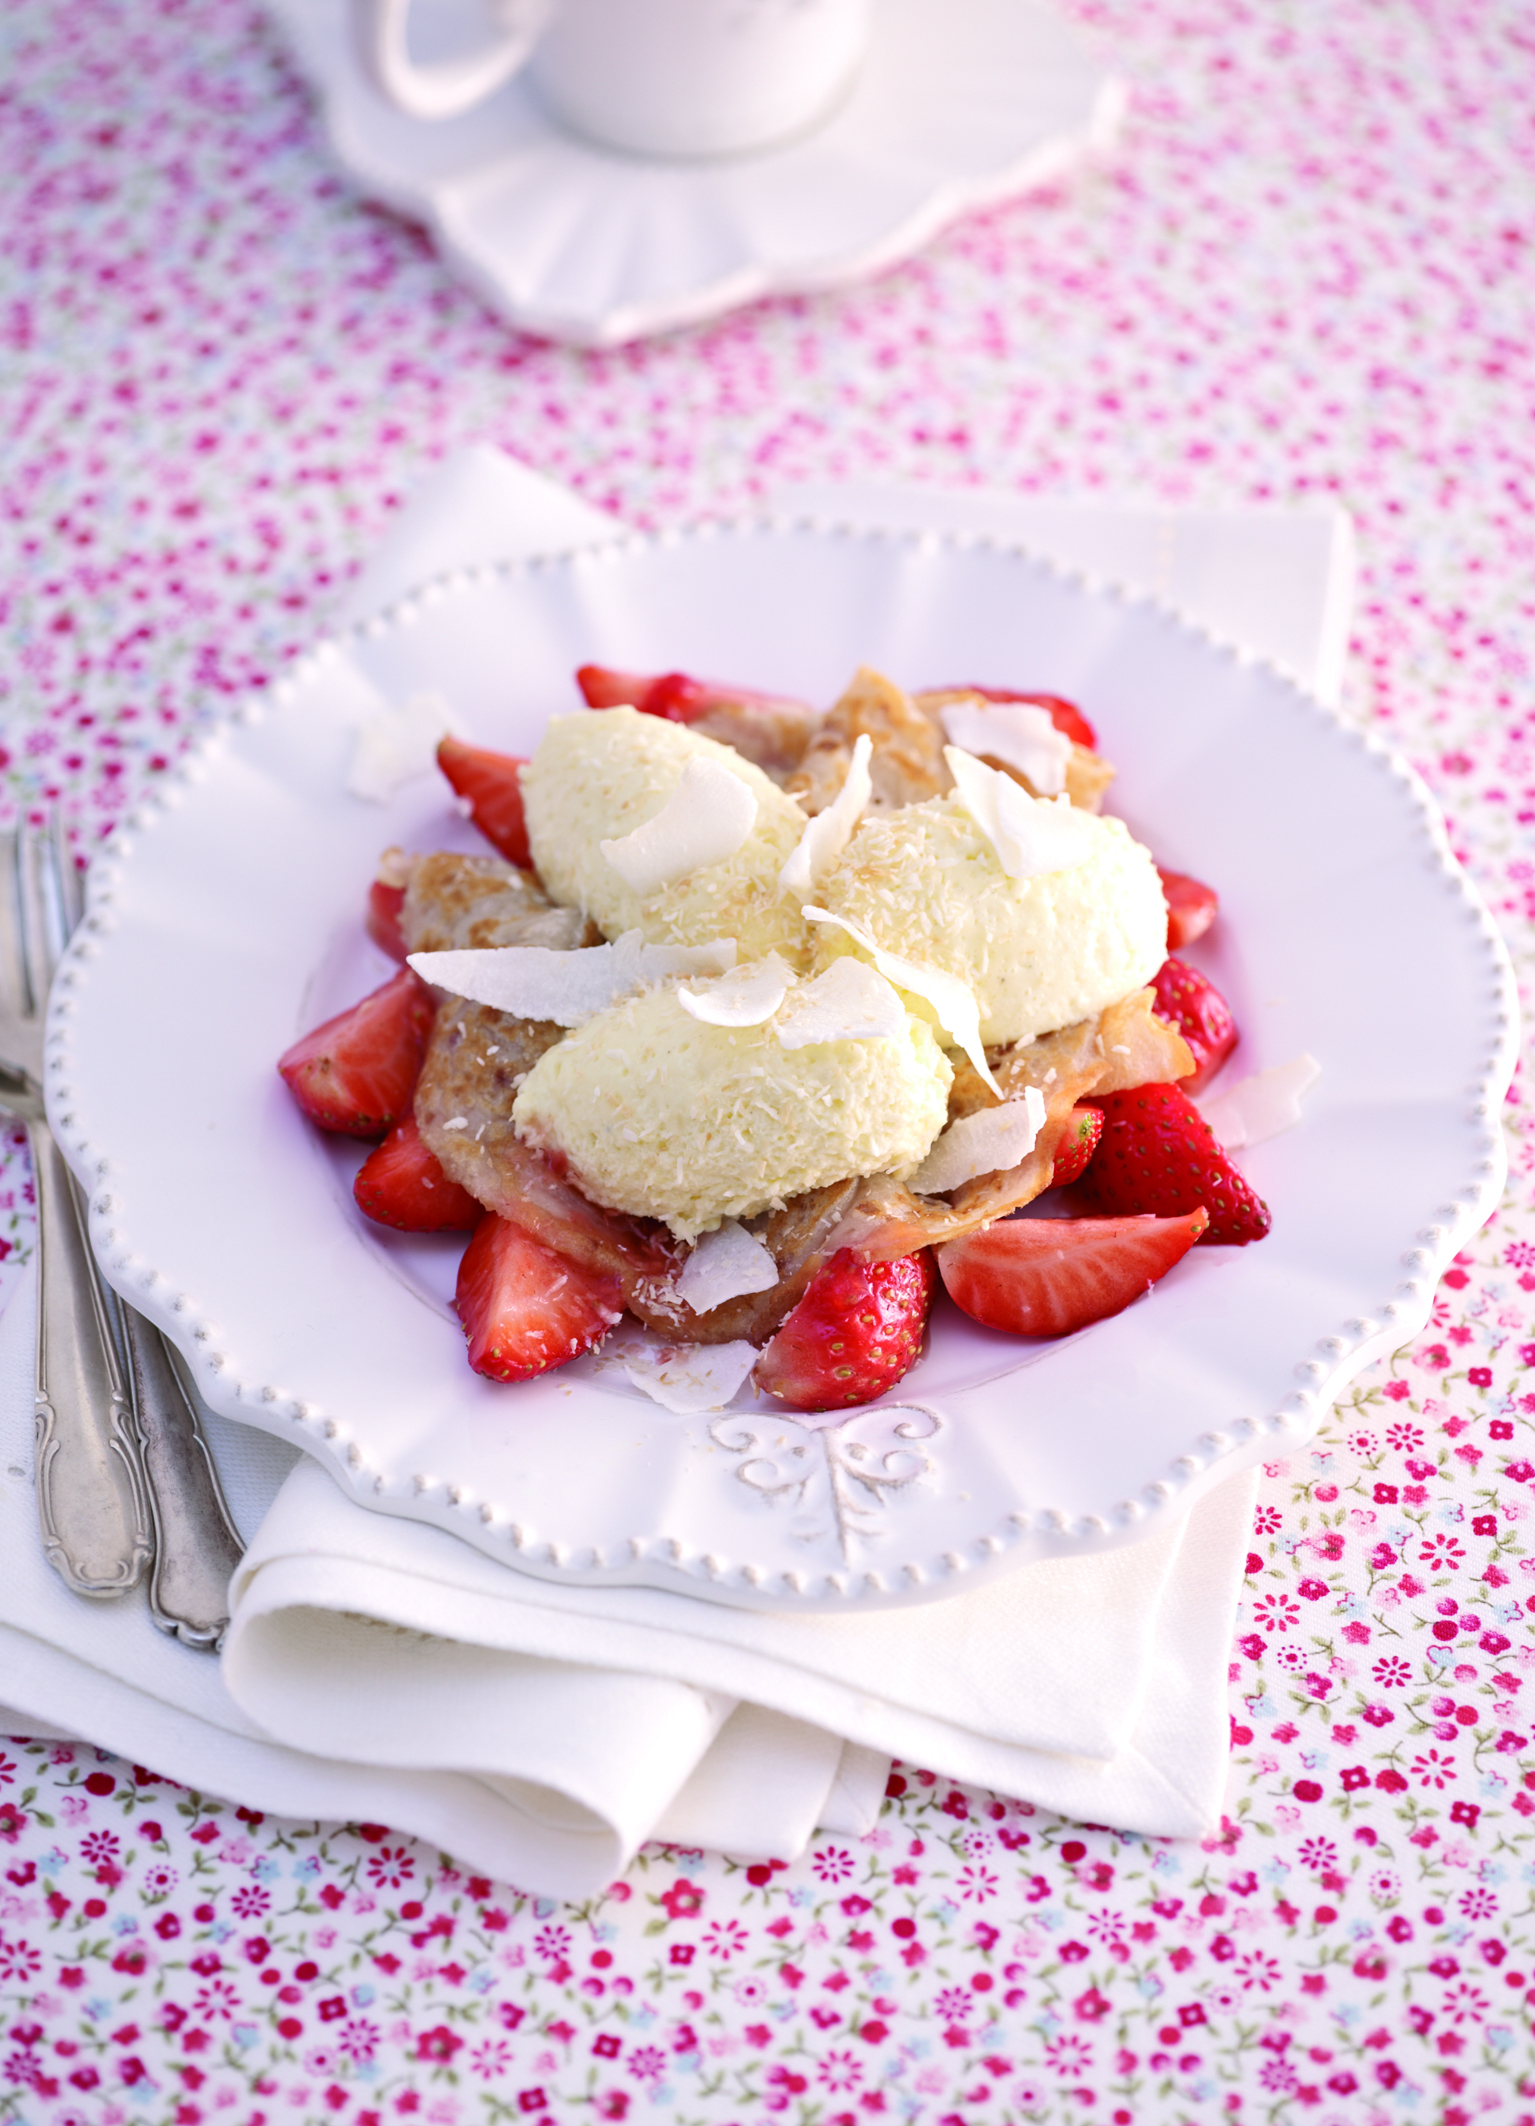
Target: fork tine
<point x="66" y="874"/>
<point x="13" y="989"/>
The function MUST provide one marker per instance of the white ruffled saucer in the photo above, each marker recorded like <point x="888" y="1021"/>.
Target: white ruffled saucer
<point x="960" y="104"/>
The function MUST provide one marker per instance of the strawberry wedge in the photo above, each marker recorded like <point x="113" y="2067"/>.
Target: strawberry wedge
<point x="676" y="696"/>
<point x="355" y="1074"/>
<point x="385" y="903"/>
<point x="1159" y="1155"/>
<point x="1079" y="1140"/>
<point x="1195" y="1008"/>
<point x="491" y="785"/>
<point x="401" y="1184"/>
<point x="524" y="1308"/>
<point x="1191" y="907"/>
<point x="1049" y="1276"/>
<point x="857" y="1331"/>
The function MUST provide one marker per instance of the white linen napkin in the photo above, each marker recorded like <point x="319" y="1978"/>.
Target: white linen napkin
<point x="380" y="1668"/>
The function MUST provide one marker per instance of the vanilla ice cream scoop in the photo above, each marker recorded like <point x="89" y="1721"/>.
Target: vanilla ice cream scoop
<point x="668" y="1116"/>
<point x="600" y="776"/>
<point x="1039" y="952"/>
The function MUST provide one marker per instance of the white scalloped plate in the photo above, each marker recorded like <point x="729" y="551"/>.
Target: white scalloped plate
<point x="960" y="104"/>
<point x="225" y="917"/>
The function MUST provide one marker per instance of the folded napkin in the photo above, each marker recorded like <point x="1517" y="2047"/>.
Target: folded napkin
<point x="378" y="1668"/>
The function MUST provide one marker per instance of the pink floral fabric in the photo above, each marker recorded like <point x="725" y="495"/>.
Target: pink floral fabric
<point x="1309" y="272"/>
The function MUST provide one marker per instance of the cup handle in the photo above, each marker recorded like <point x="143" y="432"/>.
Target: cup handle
<point x="445" y="90"/>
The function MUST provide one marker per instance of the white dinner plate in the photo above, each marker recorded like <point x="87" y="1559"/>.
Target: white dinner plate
<point x="226" y="917"/>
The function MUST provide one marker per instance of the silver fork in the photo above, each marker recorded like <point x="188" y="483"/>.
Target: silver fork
<point x="91" y="1494"/>
<point x="195" y="1544"/>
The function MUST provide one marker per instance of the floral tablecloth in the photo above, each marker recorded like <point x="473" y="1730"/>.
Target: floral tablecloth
<point x="1311" y="271"/>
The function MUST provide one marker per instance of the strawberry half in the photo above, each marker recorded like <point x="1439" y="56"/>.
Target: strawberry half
<point x="1084" y="1126"/>
<point x="1196" y="1008"/>
<point x="491" y="786"/>
<point x="1049" y="1276"/>
<point x="524" y="1308"/>
<point x="1159" y="1154"/>
<point x="383" y="918"/>
<point x="1191" y="907"/>
<point x="356" y="1073"/>
<point x="857" y="1331"/>
<point x="1065" y="715"/>
<point x="401" y="1184"/>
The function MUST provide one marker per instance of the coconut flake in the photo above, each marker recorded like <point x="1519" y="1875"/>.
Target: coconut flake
<point x="394" y="746"/>
<point x="1031" y="835"/>
<point x="828" y="834"/>
<point x="952" y="1000"/>
<point x="852" y="1001"/>
<point x="745" y="997"/>
<point x="1015" y="731"/>
<point x="725" y="1264"/>
<point x="536" y="982"/>
<point x="686" y="1378"/>
<point x="706" y="819"/>
<point x="991" y="1142"/>
<point x="1260" y="1107"/>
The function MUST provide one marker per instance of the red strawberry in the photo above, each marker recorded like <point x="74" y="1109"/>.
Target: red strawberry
<point x="383" y="918"/>
<point x="1191" y="908"/>
<point x="492" y="785"/>
<point x="1200" y="1013"/>
<point x="1084" y="1126"/>
<point x="857" y="1331"/>
<point x="524" y="1308"/>
<point x="670" y="694"/>
<point x="401" y="1184"/>
<point x="1065" y="715"/>
<point x="355" y="1074"/>
<point x="1048" y="1276"/>
<point x="1159" y="1154"/>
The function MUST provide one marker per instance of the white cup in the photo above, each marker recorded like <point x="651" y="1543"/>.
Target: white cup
<point x="656" y="77"/>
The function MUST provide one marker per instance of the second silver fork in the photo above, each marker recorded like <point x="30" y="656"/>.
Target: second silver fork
<point x="114" y="1491"/>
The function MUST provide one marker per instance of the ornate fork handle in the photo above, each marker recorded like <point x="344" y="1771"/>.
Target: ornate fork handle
<point x="91" y="1498"/>
<point x="197" y="1546"/>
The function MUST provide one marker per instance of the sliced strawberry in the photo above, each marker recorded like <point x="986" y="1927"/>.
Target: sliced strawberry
<point x="1049" y="1276"/>
<point x="1191" y="908"/>
<point x="401" y="1184"/>
<point x="857" y="1331"/>
<point x="1065" y="715"/>
<point x="673" y="695"/>
<point x="1084" y="1126"/>
<point x="524" y="1308"/>
<point x="1159" y="1154"/>
<point x="1196" y="1008"/>
<point x="383" y="918"/>
<point x="355" y="1074"/>
<point x="491" y="784"/>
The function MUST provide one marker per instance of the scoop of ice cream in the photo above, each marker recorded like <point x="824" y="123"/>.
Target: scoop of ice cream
<point x="1039" y="952"/>
<point x="596" y="777"/>
<point x="667" y="1116"/>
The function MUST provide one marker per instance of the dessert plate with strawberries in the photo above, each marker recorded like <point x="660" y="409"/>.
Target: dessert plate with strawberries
<point x="229" y="925"/>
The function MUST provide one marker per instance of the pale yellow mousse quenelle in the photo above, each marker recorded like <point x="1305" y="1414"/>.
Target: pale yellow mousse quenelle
<point x="778" y="1001"/>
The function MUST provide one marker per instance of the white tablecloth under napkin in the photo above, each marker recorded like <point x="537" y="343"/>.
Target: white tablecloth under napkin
<point x="378" y="1669"/>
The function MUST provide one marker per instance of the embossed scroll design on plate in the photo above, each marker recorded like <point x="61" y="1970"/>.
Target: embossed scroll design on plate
<point x="840" y="1478"/>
